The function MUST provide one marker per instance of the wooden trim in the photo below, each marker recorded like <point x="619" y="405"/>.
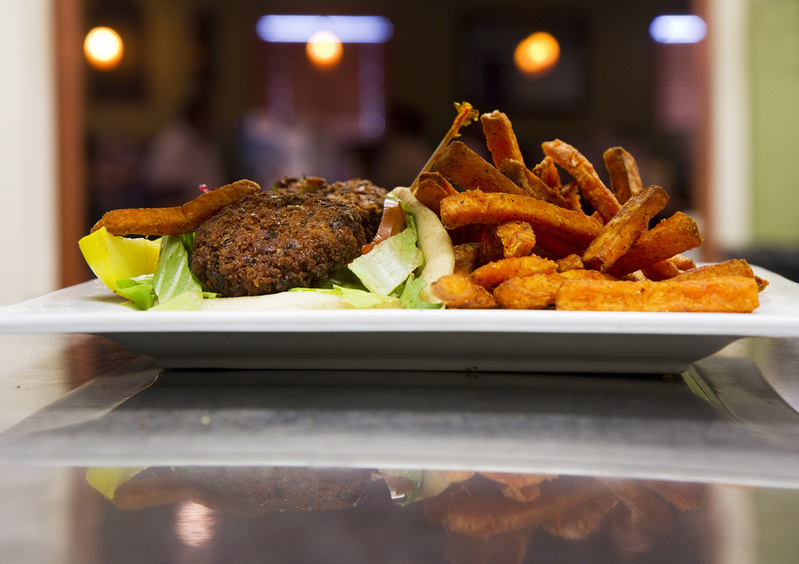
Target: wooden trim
<point x="72" y="197"/>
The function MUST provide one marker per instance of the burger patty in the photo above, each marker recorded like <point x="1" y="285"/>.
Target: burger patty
<point x="272" y="241"/>
<point x="363" y="195"/>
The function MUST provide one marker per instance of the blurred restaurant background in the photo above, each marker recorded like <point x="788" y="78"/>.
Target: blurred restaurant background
<point x="204" y="92"/>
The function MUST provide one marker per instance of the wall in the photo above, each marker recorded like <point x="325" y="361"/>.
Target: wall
<point x="774" y="68"/>
<point x="27" y="152"/>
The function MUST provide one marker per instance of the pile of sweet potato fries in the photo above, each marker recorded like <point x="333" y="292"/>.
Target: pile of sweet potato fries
<point x="523" y="240"/>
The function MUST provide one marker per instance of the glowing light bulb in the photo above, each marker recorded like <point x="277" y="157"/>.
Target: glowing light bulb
<point x="324" y="49"/>
<point x="537" y="54"/>
<point x="103" y="48"/>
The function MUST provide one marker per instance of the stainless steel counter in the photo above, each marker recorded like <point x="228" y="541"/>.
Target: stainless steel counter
<point x="592" y="450"/>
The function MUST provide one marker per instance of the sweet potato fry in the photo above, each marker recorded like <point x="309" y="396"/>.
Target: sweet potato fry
<point x="619" y="234"/>
<point x="553" y="248"/>
<point x="587" y="274"/>
<point x="476" y="206"/>
<point x="584" y="173"/>
<point x="537" y="188"/>
<point x="456" y="291"/>
<point x="466" y="257"/>
<point x="671" y="236"/>
<point x="725" y="294"/>
<point x="462" y="166"/>
<point x="537" y="291"/>
<point x="510" y="239"/>
<point x="571" y="193"/>
<point x="570" y="262"/>
<point x="440" y="180"/>
<point x="431" y="189"/>
<point x="466" y="115"/>
<point x="683" y="262"/>
<point x="662" y="270"/>
<point x="732" y="267"/>
<point x="176" y="220"/>
<point x="625" y="179"/>
<point x="548" y="172"/>
<point x="494" y="273"/>
<point x="517" y="237"/>
<point x="500" y="138"/>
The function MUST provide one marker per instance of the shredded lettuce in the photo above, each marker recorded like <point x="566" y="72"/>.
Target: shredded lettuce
<point x="410" y="298"/>
<point x="391" y="262"/>
<point x="356" y="297"/>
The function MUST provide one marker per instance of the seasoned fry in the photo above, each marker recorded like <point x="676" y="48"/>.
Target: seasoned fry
<point x="570" y="262"/>
<point x="512" y="239"/>
<point x="732" y="267"/>
<point x="500" y="138"/>
<point x="506" y="240"/>
<point x="625" y="180"/>
<point x="537" y="291"/>
<point x="619" y="234"/>
<point x="433" y="188"/>
<point x="470" y="171"/>
<point x="548" y="172"/>
<point x="725" y="294"/>
<point x="675" y="234"/>
<point x="476" y="206"/>
<point x="176" y="220"/>
<point x="571" y="192"/>
<point x="466" y="257"/>
<point x="440" y="180"/>
<point x="683" y="262"/>
<point x="494" y="273"/>
<point x="533" y="185"/>
<point x="662" y="270"/>
<point x="458" y="292"/>
<point x="466" y="115"/>
<point x="517" y="237"/>
<point x="585" y="274"/>
<point x="553" y="248"/>
<point x="584" y="173"/>
<point x="513" y="220"/>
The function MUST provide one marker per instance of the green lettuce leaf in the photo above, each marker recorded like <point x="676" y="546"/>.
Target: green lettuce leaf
<point x="139" y="290"/>
<point x="356" y="297"/>
<point x="389" y="264"/>
<point x="410" y="298"/>
<point x="175" y="285"/>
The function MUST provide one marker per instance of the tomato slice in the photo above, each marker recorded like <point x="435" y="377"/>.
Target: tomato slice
<point x="391" y="223"/>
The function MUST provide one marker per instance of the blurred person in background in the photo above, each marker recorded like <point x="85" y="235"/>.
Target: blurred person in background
<point x="182" y="158"/>
<point x="404" y="150"/>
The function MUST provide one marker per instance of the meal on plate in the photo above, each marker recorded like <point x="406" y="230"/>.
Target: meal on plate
<point x="466" y="234"/>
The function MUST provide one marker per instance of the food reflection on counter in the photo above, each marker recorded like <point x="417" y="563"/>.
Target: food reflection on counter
<point x="480" y="517"/>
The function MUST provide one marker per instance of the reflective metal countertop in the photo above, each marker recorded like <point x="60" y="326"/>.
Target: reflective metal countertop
<point x="117" y="460"/>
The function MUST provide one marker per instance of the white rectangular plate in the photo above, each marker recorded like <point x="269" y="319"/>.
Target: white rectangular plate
<point x="390" y="339"/>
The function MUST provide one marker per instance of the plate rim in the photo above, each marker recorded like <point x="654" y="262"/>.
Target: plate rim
<point x="50" y="314"/>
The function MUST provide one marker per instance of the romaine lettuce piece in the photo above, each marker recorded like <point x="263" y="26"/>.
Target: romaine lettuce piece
<point x="390" y="263"/>
<point x="139" y="290"/>
<point x="173" y="279"/>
